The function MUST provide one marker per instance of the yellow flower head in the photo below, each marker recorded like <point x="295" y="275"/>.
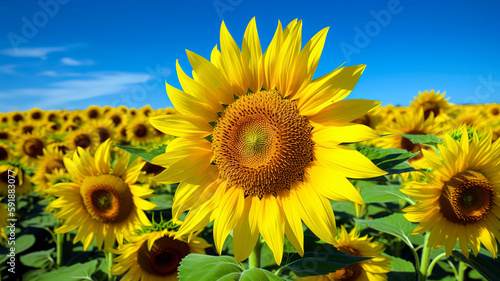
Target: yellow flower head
<point x="373" y="269"/>
<point x="154" y="256"/>
<point x="259" y="141"/>
<point x="431" y="101"/>
<point x="101" y="201"/>
<point x="461" y="199"/>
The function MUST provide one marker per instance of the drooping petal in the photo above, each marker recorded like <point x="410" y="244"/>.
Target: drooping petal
<point x="342" y="112"/>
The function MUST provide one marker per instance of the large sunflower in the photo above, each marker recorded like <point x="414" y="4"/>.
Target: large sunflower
<point x="258" y="147"/>
<point x="101" y="201"/>
<point x="154" y="256"/>
<point x="461" y="199"/>
<point x="373" y="269"/>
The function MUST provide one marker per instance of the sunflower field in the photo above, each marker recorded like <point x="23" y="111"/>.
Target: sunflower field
<point x="259" y="172"/>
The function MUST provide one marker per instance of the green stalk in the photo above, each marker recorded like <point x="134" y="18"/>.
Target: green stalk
<point x="254" y="259"/>
<point x="434" y="262"/>
<point x="59" y="246"/>
<point x="110" y="264"/>
<point x="424" y="261"/>
<point x="461" y="270"/>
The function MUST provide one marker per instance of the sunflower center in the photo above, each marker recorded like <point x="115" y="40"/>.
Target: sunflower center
<point x="36" y="115"/>
<point x="103" y="134"/>
<point x="466" y="198"/>
<point x="18" y="117"/>
<point x="164" y="257"/>
<point x="92" y="114"/>
<point x="262" y="144"/>
<point x="364" y="120"/>
<point x="152" y="169"/>
<point x="82" y="140"/>
<point x="140" y="130"/>
<point x="495" y="111"/>
<point x="27" y="129"/>
<point x="4" y="177"/>
<point x="413" y="147"/>
<point x="3" y="153"/>
<point x="430" y="107"/>
<point x="4" y="135"/>
<point x="107" y="198"/>
<point x="33" y="147"/>
<point x="54" y="164"/>
<point x="116" y="119"/>
<point x="51" y="117"/>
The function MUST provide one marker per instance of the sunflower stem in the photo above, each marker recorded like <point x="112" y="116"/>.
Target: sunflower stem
<point x="461" y="270"/>
<point x="110" y="264"/>
<point x="59" y="245"/>
<point x="434" y="262"/>
<point x="424" y="261"/>
<point x="254" y="258"/>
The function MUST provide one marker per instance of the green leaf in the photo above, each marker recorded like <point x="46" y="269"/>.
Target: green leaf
<point x="40" y="220"/>
<point x="144" y="153"/>
<point x="376" y="193"/>
<point x="198" y="267"/>
<point x="395" y="224"/>
<point x="429" y="140"/>
<point x="392" y="160"/>
<point x="163" y="201"/>
<point x="79" y="271"/>
<point x="319" y="259"/>
<point x="40" y="259"/>
<point x="488" y="267"/>
<point x="402" y="270"/>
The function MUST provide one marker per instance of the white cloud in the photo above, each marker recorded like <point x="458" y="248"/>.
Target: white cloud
<point x="70" y="61"/>
<point x="90" y="85"/>
<point x="8" y="69"/>
<point x="32" y="52"/>
<point x="52" y="73"/>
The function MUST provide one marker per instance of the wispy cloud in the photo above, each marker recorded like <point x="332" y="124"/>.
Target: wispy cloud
<point x="53" y="73"/>
<point x="8" y="69"/>
<point x="32" y="52"/>
<point x="70" y="61"/>
<point x="90" y="85"/>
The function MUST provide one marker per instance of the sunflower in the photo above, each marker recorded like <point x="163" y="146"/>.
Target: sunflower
<point x="21" y="180"/>
<point x="69" y="126"/>
<point x="4" y="119"/>
<point x="273" y="136"/>
<point x="145" y="110"/>
<point x="104" y="128"/>
<point x="154" y="256"/>
<point x="4" y="215"/>
<point x="83" y="138"/>
<point x="53" y="116"/>
<point x="5" y="134"/>
<point x="470" y="116"/>
<point x="26" y="127"/>
<point x="35" y="115"/>
<point x="5" y="152"/>
<point x="51" y="160"/>
<point x="461" y="199"/>
<point x="101" y="201"/>
<point x="140" y="132"/>
<point x="150" y="170"/>
<point x="16" y="116"/>
<point x="115" y="115"/>
<point x="30" y="147"/>
<point x="93" y="112"/>
<point x="373" y="269"/>
<point x="411" y="123"/>
<point x="431" y="101"/>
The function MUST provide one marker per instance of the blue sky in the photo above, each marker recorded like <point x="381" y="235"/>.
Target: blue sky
<point x="68" y="54"/>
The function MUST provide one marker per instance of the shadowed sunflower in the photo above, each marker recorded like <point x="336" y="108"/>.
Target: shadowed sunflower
<point x="431" y="101"/>
<point x="140" y="132"/>
<point x="258" y="147"/>
<point x="373" y="269"/>
<point x="4" y="215"/>
<point x="22" y="181"/>
<point x="461" y="199"/>
<point x="5" y="152"/>
<point x="30" y="148"/>
<point x="101" y="201"/>
<point x="84" y="138"/>
<point x="154" y="256"/>
<point x="51" y="160"/>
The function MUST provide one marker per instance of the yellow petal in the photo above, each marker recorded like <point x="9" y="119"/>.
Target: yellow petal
<point x="227" y="215"/>
<point x="231" y="61"/>
<point x="244" y="236"/>
<point x="272" y="225"/>
<point x="187" y="105"/>
<point x="316" y="212"/>
<point x="332" y="185"/>
<point x="343" y="112"/>
<point x="181" y="125"/>
<point x="102" y="161"/>
<point x="293" y="227"/>
<point x="270" y="57"/>
<point x="347" y="161"/>
<point x="331" y="136"/>
<point x="287" y="55"/>
<point x="251" y="54"/>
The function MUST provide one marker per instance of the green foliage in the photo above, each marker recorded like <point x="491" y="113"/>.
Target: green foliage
<point x="377" y="193"/>
<point x="392" y="160"/>
<point x="488" y="267"/>
<point x="402" y="270"/>
<point x="162" y="201"/>
<point x="40" y="259"/>
<point x="144" y="153"/>
<point x="196" y="267"/>
<point x="79" y="271"/>
<point x="395" y="224"/>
